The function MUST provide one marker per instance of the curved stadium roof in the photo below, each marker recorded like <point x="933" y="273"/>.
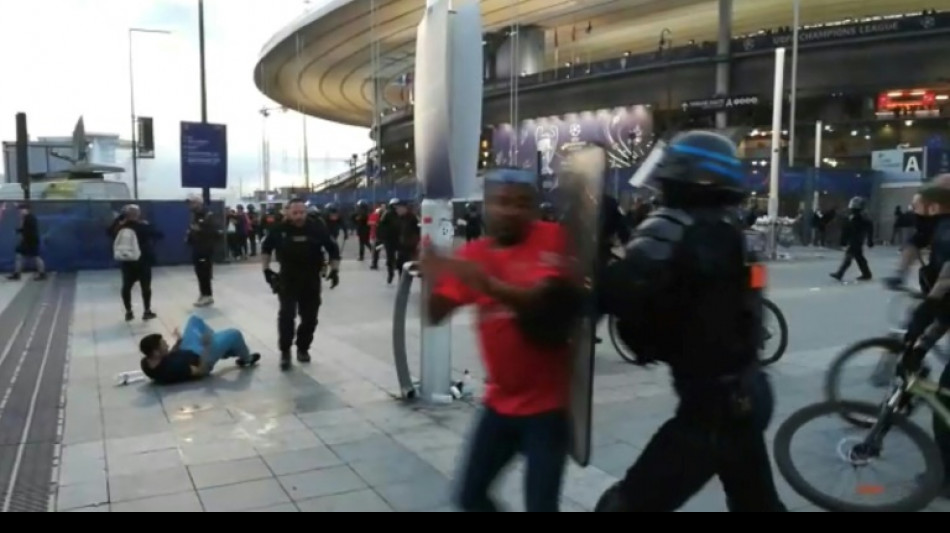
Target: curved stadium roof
<point x="321" y="64"/>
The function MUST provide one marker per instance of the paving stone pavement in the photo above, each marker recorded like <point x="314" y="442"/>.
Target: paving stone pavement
<point x="330" y="437"/>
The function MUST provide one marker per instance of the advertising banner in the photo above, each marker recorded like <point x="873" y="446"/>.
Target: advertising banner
<point x="204" y="155"/>
<point x="542" y="144"/>
<point x="883" y="27"/>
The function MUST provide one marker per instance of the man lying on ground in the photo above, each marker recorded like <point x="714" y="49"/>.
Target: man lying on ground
<point x="195" y="353"/>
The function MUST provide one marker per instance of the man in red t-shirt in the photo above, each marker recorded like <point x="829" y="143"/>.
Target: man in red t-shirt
<point x="373" y="225"/>
<point x="518" y="280"/>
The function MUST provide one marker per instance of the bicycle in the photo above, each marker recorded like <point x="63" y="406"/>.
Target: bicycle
<point x="909" y="391"/>
<point x="889" y="349"/>
<point x="768" y="333"/>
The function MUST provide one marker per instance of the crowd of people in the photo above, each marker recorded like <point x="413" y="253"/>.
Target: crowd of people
<point x="683" y="294"/>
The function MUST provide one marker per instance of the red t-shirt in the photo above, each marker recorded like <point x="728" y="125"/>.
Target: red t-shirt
<point x="373" y="222"/>
<point x="524" y="380"/>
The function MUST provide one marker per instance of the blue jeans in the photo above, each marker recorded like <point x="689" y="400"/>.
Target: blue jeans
<point x="543" y="439"/>
<point x="225" y="344"/>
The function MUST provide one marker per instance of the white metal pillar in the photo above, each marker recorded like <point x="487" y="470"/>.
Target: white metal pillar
<point x="724" y="64"/>
<point x="778" y="102"/>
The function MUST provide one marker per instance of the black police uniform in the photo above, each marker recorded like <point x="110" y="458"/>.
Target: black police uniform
<point x="857" y="230"/>
<point x="334" y="223"/>
<point x="682" y="295"/>
<point x="300" y="251"/>
<point x="474" y="225"/>
<point x="387" y="233"/>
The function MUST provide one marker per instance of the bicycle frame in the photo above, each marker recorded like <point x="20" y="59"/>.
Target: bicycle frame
<point x="931" y="393"/>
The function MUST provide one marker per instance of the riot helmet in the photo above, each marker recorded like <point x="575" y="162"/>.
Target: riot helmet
<point x="331" y="207"/>
<point x="696" y="167"/>
<point x="856" y="204"/>
<point x="548" y="213"/>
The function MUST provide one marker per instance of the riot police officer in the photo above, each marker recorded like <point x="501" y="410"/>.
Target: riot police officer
<point x="387" y="233"/>
<point x="473" y="226"/>
<point x="683" y="296"/>
<point x="856" y="231"/>
<point x="300" y="244"/>
<point x="334" y="223"/>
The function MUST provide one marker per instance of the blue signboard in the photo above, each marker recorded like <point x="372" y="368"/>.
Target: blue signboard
<point x="204" y="155"/>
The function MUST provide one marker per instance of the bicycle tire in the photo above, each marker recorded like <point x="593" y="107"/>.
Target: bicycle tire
<point x="776" y="356"/>
<point x="928" y="489"/>
<point x="888" y="345"/>
<point x="618" y="343"/>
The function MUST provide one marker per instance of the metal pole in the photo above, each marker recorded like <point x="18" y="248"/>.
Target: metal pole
<point x="306" y="155"/>
<point x="794" y="104"/>
<point x="205" y="192"/>
<point x="777" y="104"/>
<point x="819" y="132"/>
<point x="135" y="143"/>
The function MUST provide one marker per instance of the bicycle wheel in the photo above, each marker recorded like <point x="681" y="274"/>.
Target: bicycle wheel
<point x="625" y="353"/>
<point x="776" y="330"/>
<point x="887" y="350"/>
<point x="925" y="488"/>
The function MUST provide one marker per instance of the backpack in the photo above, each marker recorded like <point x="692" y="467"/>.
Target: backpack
<point x="125" y="248"/>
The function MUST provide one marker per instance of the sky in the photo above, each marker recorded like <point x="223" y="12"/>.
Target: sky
<point x="69" y="58"/>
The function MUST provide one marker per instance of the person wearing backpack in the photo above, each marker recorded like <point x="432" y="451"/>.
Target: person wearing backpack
<point x="133" y="246"/>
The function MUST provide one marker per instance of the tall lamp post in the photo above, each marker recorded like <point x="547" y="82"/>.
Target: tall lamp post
<point x="135" y="142"/>
<point x="205" y="192"/>
<point x="665" y="48"/>
<point x="265" y="143"/>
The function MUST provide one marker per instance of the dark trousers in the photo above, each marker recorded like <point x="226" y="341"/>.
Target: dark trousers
<point x="136" y="272"/>
<point x="364" y="244"/>
<point x="389" y="248"/>
<point x="252" y="243"/>
<point x="377" y="246"/>
<point x="403" y="256"/>
<point x="855" y="254"/>
<point x="204" y="270"/>
<point x="543" y="440"/>
<point x="684" y="455"/>
<point x="303" y="300"/>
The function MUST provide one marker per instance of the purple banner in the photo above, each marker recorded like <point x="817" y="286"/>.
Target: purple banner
<point x="625" y="132"/>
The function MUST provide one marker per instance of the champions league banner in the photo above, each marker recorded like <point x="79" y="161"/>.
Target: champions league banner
<point x="626" y="133"/>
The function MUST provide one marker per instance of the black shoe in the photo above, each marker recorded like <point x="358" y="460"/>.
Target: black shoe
<point x="374" y="267"/>
<point x="303" y="356"/>
<point x="255" y="358"/>
<point x="285" y="361"/>
<point x="148" y="315"/>
<point x="836" y="277"/>
<point x="865" y="278"/>
<point x="40" y="277"/>
<point x="129" y="316"/>
<point x="14" y="277"/>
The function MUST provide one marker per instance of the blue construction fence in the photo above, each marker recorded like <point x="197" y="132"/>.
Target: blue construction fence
<point x="73" y="233"/>
<point x="792" y="181"/>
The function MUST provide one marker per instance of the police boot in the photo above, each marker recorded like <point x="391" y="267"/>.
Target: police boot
<point x="303" y="356"/>
<point x="286" y="363"/>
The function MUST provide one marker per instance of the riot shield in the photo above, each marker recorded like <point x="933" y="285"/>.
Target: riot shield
<point x="578" y="196"/>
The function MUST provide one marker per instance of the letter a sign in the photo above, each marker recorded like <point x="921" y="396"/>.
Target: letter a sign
<point x="912" y="162"/>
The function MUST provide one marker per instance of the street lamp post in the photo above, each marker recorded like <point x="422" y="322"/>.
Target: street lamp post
<point x="135" y="143"/>
<point x="265" y="143"/>
<point x="205" y="192"/>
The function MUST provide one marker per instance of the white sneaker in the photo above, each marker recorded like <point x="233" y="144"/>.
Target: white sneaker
<point x="204" y="301"/>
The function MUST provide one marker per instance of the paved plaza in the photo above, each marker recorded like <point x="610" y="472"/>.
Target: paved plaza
<point x="331" y="437"/>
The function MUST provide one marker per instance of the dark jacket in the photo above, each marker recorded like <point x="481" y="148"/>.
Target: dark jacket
<point x="29" y="231"/>
<point x="203" y="234"/>
<point x="857" y="231"/>
<point x="144" y="233"/>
